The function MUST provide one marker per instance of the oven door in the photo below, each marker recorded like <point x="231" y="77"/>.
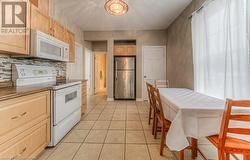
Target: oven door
<point x="66" y="101"/>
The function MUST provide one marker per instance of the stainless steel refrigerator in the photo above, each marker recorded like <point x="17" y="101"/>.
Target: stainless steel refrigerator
<point x="125" y="77"/>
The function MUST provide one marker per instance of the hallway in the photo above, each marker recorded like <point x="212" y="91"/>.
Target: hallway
<point x="110" y="131"/>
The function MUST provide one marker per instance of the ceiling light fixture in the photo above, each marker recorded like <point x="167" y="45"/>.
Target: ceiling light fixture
<point x="116" y="7"/>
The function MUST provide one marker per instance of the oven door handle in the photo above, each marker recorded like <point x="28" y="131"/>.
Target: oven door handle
<point x="70" y="96"/>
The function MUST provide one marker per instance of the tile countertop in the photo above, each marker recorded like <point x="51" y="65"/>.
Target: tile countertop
<point x="13" y="92"/>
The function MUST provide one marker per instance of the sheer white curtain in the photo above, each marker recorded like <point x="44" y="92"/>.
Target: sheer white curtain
<point x="221" y="49"/>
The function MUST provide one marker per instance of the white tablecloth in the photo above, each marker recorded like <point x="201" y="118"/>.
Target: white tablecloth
<point x="192" y="115"/>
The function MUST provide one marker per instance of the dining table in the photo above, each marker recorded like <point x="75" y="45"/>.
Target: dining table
<point x="193" y="116"/>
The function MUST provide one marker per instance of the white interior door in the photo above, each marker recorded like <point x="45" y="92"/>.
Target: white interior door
<point x="154" y="66"/>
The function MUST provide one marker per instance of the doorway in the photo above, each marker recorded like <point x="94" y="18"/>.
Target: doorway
<point x="154" y="66"/>
<point x="100" y="73"/>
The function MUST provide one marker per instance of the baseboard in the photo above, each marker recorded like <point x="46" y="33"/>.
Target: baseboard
<point x="110" y="99"/>
<point x="139" y="99"/>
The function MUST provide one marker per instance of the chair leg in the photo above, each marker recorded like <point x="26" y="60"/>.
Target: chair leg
<point x="153" y="128"/>
<point x="150" y="113"/>
<point x="227" y="156"/>
<point x="221" y="155"/>
<point x="156" y="127"/>
<point x="246" y="157"/>
<point x="181" y="155"/>
<point x="163" y="136"/>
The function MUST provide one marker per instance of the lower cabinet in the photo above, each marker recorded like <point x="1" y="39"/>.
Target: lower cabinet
<point x="29" y="144"/>
<point x="25" y="126"/>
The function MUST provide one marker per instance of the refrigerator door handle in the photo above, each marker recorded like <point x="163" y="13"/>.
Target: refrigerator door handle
<point x="116" y="70"/>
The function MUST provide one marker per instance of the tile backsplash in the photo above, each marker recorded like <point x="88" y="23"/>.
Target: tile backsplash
<point x="6" y="62"/>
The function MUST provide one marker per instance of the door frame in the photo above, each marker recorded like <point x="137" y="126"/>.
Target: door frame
<point x="94" y="61"/>
<point x="143" y="48"/>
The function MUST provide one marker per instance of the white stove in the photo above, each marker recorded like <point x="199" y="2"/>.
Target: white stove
<point x="65" y="97"/>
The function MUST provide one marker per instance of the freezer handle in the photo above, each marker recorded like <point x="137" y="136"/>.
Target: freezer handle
<point x="116" y="70"/>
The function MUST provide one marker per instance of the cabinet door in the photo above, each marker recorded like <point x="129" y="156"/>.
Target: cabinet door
<point x="131" y="49"/>
<point x="120" y="50"/>
<point x="40" y="21"/>
<point x="58" y="30"/>
<point x="43" y="5"/>
<point x="16" y="44"/>
<point x="70" y="39"/>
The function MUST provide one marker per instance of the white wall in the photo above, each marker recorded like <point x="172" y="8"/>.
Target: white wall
<point x="89" y="69"/>
<point x="76" y="70"/>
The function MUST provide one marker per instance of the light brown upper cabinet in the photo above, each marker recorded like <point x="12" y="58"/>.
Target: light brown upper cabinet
<point x="19" y="43"/>
<point x="58" y="31"/>
<point x="70" y="39"/>
<point x="40" y="21"/>
<point x="42" y="5"/>
<point x="124" y="49"/>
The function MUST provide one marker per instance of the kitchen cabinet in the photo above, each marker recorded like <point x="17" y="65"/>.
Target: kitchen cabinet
<point x="125" y="50"/>
<point x="12" y="44"/>
<point x="40" y="21"/>
<point x="58" y="31"/>
<point x="42" y="5"/>
<point x="37" y="19"/>
<point x="25" y="126"/>
<point x="16" y="44"/>
<point x="84" y="96"/>
<point x="70" y="39"/>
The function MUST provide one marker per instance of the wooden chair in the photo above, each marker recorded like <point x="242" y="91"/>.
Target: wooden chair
<point x="160" y="118"/>
<point x="227" y="145"/>
<point x="151" y="105"/>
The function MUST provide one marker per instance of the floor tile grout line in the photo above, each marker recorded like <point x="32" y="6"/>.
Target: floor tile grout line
<point x="146" y="141"/>
<point x="84" y="139"/>
<point x="106" y="133"/>
<point x="125" y="145"/>
<point x="104" y="140"/>
<point x="80" y="146"/>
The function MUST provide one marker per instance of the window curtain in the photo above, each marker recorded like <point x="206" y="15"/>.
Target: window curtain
<point x="220" y="37"/>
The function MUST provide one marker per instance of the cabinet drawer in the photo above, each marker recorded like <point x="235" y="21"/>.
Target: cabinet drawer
<point x="18" y="112"/>
<point x="28" y="144"/>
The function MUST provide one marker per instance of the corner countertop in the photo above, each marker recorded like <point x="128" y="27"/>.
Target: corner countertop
<point x="14" y="92"/>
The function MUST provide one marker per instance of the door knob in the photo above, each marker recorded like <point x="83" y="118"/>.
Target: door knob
<point x="145" y="76"/>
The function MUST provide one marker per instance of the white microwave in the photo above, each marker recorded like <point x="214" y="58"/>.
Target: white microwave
<point x="48" y="47"/>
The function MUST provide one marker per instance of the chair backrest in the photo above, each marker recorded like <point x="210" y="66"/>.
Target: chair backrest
<point x="150" y="96"/>
<point x="162" y="84"/>
<point x="157" y="102"/>
<point x="229" y="116"/>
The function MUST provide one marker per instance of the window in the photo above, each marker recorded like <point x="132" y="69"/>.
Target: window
<point x="220" y="33"/>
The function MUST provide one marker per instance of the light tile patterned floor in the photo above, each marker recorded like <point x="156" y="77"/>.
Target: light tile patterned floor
<point x="110" y="131"/>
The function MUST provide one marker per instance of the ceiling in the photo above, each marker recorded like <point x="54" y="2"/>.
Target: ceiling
<point x="90" y="15"/>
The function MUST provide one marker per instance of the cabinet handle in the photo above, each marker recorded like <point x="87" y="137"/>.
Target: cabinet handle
<point x="23" y="114"/>
<point x="15" y="117"/>
<point x="23" y="150"/>
<point x="13" y="158"/>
